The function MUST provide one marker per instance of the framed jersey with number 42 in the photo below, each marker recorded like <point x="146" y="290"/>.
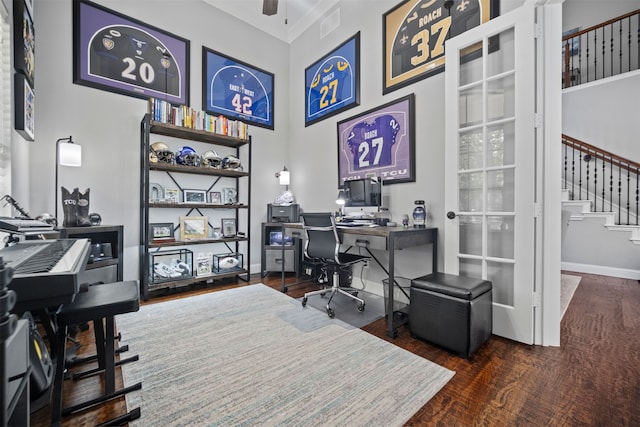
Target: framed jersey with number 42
<point x="236" y="89"/>
<point x="379" y="143"/>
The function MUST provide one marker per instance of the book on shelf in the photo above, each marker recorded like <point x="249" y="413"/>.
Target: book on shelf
<point x="184" y="116"/>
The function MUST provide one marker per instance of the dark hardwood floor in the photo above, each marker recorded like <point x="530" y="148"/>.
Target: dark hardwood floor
<point x="593" y="378"/>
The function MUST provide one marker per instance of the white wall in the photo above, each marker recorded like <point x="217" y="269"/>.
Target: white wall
<point x="605" y="114"/>
<point x="107" y="125"/>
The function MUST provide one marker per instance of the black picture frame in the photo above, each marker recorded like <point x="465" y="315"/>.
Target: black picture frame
<point x="332" y="83"/>
<point x="379" y="142"/>
<point x="237" y="90"/>
<point x="161" y="231"/>
<point x="194" y="196"/>
<point x="229" y="227"/>
<point x="414" y="34"/>
<point x="159" y="68"/>
<point x="24" y="41"/>
<point x="24" y="107"/>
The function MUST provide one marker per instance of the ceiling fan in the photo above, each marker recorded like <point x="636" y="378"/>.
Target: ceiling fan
<point x="269" y="7"/>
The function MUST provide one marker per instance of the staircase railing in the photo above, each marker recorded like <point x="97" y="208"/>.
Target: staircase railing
<point x="604" y="50"/>
<point x="610" y="182"/>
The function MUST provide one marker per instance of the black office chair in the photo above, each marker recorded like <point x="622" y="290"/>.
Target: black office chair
<point x="323" y="244"/>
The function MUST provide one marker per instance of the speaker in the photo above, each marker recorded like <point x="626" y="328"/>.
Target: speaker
<point x="270" y="7"/>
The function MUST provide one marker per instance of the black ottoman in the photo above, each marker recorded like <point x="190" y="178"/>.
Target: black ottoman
<point x="453" y="312"/>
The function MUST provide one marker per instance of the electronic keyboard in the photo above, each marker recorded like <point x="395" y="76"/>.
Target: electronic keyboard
<point x="45" y="272"/>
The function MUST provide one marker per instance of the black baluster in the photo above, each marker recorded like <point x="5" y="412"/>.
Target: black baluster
<point x="610" y="197"/>
<point x="619" y="190"/>
<point x="587" y="158"/>
<point x="588" y="62"/>
<point x="603" y="53"/>
<point x="611" y="71"/>
<point x="637" y="195"/>
<point x="580" y="173"/>
<point x="595" y="181"/>
<point x="628" y="184"/>
<point x="604" y="163"/>
<point x="573" y="172"/>
<point x="565" y="165"/>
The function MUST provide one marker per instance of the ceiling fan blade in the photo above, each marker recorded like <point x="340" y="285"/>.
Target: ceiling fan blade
<point x="270" y="7"/>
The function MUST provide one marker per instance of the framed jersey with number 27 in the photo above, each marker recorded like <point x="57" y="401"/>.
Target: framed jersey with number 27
<point x="379" y="143"/>
<point x="332" y="83"/>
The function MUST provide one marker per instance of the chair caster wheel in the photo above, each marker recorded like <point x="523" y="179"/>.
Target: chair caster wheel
<point x="361" y="307"/>
<point x="331" y="313"/>
<point x="304" y="302"/>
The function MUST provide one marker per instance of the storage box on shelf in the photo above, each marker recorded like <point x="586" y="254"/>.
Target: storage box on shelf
<point x="223" y="181"/>
<point x="170" y="265"/>
<point x="224" y="263"/>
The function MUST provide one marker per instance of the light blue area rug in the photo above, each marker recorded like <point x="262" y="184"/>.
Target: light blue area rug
<point x="252" y="356"/>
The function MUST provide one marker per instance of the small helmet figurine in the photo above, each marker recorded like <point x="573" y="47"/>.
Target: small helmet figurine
<point x="231" y="162"/>
<point x="187" y="156"/>
<point x="211" y="159"/>
<point x="159" y="152"/>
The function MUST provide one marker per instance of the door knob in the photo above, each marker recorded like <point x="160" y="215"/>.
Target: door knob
<point x="451" y="214"/>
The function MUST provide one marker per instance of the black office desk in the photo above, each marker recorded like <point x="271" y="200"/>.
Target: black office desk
<point x="396" y="238"/>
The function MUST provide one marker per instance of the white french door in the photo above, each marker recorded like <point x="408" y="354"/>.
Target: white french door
<point x="490" y="164"/>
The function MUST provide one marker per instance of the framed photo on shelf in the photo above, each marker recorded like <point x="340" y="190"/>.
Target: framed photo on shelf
<point x="414" y="34"/>
<point x="172" y="195"/>
<point x="215" y="197"/>
<point x="194" y="227"/>
<point x="203" y="263"/>
<point x="194" y="196"/>
<point x="156" y="192"/>
<point x="236" y="89"/>
<point x="379" y="142"/>
<point x="104" y="55"/>
<point x="229" y="227"/>
<point x="161" y="232"/>
<point x="24" y="39"/>
<point x="332" y="84"/>
<point x="24" y="111"/>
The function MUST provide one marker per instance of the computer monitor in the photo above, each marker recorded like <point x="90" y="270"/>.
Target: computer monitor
<point x="363" y="196"/>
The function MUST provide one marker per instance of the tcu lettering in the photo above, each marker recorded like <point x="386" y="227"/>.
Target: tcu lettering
<point x="399" y="172"/>
<point x="69" y="202"/>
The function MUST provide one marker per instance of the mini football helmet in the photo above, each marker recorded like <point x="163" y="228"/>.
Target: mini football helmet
<point x="231" y="162"/>
<point x="187" y="156"/>
<point x="159" y="152"/>
<point x="211" y="159"/>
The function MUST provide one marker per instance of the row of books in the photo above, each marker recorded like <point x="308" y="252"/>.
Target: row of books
<point x="184" y="116"/>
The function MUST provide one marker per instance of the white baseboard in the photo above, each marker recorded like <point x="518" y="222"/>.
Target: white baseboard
<point x="623" y="273"/>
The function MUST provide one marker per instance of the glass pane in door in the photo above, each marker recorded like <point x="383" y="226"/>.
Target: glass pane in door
<point x="470" y="235"/>
<point x="501" y="276"/>
<point x="501" y="56"/>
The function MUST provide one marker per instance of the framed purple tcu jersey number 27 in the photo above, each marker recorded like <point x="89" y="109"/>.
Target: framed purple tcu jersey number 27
<point x="378" y="142"/>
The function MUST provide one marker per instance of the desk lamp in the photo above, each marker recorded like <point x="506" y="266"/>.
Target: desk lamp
<point x="343" y="195"/>
<point x="285" y="197"/>
<point x="67" y="154"/>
